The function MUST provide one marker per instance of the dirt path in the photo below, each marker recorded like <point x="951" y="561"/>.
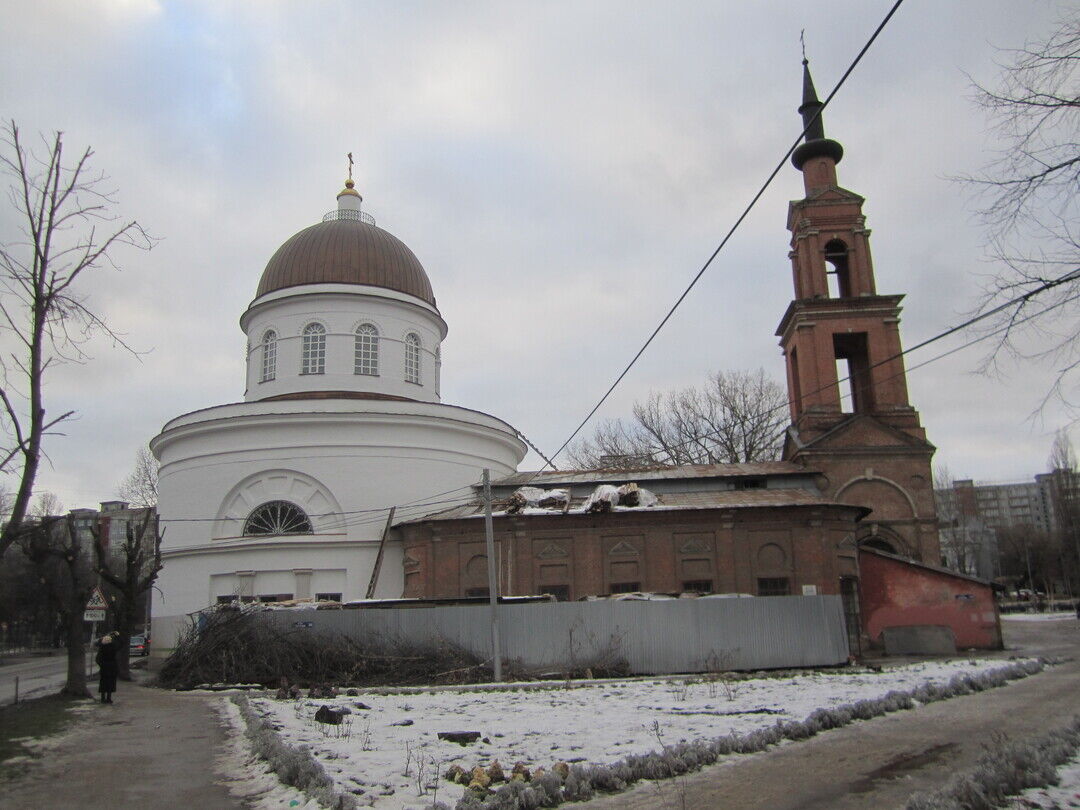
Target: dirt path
<point x="151" y="749"/>
<point x="880" y="763"/>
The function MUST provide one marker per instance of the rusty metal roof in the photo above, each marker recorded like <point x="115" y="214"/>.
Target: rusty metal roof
<point x="748" y="470"/>
<point x="345" y="251"/>
<point x="727" y="499"/>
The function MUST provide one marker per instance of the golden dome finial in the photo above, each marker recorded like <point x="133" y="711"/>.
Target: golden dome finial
<point x="350" y="186"/>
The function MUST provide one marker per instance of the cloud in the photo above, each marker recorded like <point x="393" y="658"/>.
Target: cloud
<point x="561" y="171"/>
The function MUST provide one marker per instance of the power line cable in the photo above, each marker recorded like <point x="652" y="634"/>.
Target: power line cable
<point x="663" y="322"/>
<point x="727" y="237"/>
<point x="730" y="233"/>
<point x="1071" y="276"/>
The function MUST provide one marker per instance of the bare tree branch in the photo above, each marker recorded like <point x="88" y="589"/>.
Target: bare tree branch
<point x="737" y="416"/>
<point x="69" y="229"/>
<point x="1028" y="202"/>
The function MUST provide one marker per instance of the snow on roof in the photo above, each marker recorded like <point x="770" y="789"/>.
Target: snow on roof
<point x="669" y="501"/>
<point x="555" y="477"/>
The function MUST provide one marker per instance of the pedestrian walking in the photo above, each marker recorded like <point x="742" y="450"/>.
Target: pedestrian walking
<point x="107" y="665"/>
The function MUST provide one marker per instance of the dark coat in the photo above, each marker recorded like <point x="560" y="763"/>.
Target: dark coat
<point x="106" y="661"/>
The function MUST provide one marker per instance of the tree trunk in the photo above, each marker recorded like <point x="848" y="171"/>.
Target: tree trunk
<point x="125" y="624"/>
<point x="76" y="663"/>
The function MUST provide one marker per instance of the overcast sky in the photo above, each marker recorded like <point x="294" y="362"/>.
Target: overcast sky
<point x="561" y="169"/>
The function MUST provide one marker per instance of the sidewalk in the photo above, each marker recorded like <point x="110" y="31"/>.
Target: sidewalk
<point x="151" y="748"/>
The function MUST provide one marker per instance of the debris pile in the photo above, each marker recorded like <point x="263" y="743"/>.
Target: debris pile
<point x="606" y="497"/>
<point x="536" y="498"/>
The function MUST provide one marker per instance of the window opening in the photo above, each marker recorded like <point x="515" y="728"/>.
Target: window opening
<point x="328" y="597"/>
<point x="560" y="592"/>
<point x="750" y="483"/>
<point x="839" y="277"/>
<point x="879" y="544"/>
<point x="275" y="597"/>
<point x="313" y="350"/>
<point x="269" y="356"/>
<point x="852" y="354"/>
<point x="773" y="586"/>
<point x="796" y="381"/>
<point x="277" y="518"/>
<point x="625" y="587"/>
<point x="697" y="586"/>
<point x="438" y="370"/>
<point x="366" y="360"/>
<point x="412" y="358"/>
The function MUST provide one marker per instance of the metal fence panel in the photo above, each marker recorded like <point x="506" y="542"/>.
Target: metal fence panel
<point x="654" y="637"/>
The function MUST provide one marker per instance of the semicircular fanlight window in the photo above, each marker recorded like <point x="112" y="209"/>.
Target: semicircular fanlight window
<point x="277" y="517"/>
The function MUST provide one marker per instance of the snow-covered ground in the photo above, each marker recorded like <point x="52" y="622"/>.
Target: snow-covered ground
<point x="1065" y="794"/>
<point x="389" y="751"/>
<point x="1037" y="617"/>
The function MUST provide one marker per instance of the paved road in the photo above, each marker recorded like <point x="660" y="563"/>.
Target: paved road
<point x="149" y="749"/>
<point x="37" y="676"/>
<point x="880" y="763"/>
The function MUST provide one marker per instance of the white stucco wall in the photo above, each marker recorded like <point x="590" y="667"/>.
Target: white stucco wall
<point x="341" y="308"/>
<point x="344" y="462"/>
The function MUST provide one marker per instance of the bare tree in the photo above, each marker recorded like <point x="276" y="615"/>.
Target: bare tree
<point x="1062" y="456"/>
<point x="960" y="530"/>
<point x="68" y="229"/>
<point x="140" y="487"/>
<point x="129" y="571"/>
<point x="737" y="416"/>
<point x="1065" y="501"/>
<point x="61" y="560"/>
<point x="1028" y="199"/>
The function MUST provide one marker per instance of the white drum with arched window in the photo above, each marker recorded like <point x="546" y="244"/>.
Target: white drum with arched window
<point x="269" y="356"/>
<point x="313" y="349"/>
<point x="412" y="358"/>
<point x="366" y="350"/>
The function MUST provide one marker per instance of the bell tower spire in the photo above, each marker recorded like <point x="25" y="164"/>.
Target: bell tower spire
<point x="847" y="389"/>
<point x="815" y="145"/>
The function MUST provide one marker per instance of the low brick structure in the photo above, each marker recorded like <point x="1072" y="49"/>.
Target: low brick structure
<point x="897" y="592"/>
<point x="764" y="542"/>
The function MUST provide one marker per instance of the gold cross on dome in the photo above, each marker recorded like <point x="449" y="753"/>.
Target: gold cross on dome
<point x="350" y="165"/>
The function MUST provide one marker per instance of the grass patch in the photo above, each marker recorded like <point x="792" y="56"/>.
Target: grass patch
<point x="29" y="721"/>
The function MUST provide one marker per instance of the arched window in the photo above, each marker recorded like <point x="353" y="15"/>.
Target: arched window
<point x="313" y="350"/>
<point x="277" y="517"/>
<point x="836" y="254"/>
<point x="412" y="358"/>
<point x="438" y="370"/>
<point x="366" y="360"/>
<point x="269" y="356"/>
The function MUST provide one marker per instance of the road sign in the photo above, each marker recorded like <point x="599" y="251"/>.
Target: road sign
<point x="95" y="607"/>
<point x="96" y="601"/>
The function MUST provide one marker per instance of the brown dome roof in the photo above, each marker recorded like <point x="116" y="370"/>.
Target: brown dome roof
<point x="346" y="251"/>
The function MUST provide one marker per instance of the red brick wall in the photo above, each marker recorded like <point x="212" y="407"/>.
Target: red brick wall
<point x="896" y="593"/>
<point x="661" y="550"/>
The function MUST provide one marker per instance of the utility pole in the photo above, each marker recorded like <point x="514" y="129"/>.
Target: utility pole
<point x="493" y="582"/>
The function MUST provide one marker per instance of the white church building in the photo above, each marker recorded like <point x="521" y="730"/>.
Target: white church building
<point x="286" y="494"/>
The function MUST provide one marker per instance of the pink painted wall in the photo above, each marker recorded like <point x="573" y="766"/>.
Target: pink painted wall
<point x="894" y="593"/>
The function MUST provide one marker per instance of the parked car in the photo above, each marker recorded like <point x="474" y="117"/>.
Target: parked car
<point x="139" y="645"/>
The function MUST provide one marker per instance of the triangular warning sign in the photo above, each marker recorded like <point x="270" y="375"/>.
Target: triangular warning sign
<point x="97" y="601"/>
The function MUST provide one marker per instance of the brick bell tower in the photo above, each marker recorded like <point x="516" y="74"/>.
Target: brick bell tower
<point x="862" y="435"/>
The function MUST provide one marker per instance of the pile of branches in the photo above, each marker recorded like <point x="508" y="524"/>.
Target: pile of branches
<point x="231" y="645"/>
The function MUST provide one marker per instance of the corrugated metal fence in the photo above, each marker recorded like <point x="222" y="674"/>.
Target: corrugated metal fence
<point x="678" y="635"/>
